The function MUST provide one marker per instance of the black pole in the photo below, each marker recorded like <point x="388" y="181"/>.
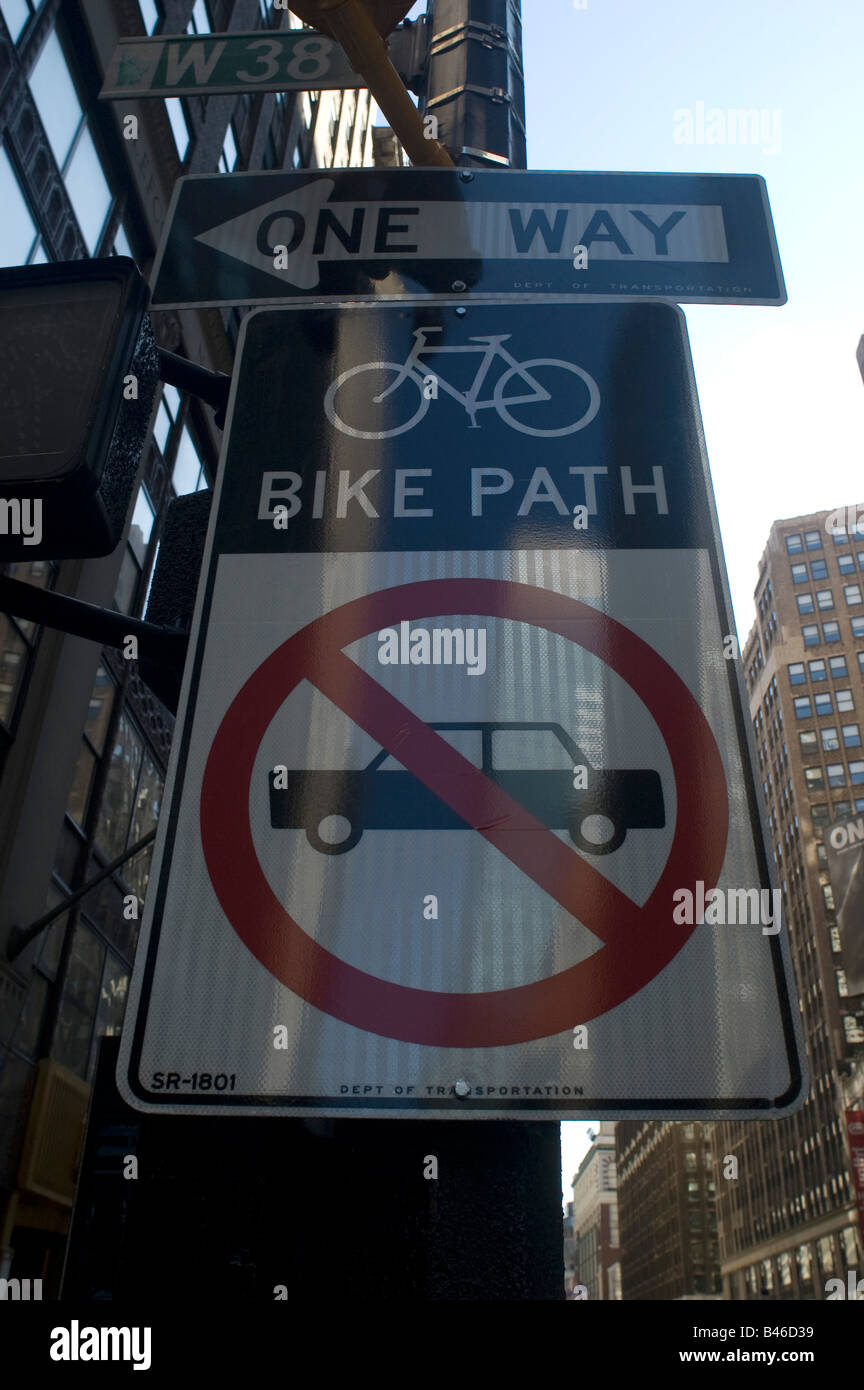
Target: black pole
<point x="489" y="1225"/>
<point x="212" y="387"/>
<point x="162" y="645"/>
<point x="475" y="86"/>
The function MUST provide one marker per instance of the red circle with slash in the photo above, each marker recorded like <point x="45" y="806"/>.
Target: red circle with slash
<point x="638" y="941"/>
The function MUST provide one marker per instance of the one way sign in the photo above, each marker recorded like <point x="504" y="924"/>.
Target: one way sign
<point x="262" y="238"/>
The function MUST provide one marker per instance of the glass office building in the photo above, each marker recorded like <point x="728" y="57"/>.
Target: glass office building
<point x="83" y="741"/>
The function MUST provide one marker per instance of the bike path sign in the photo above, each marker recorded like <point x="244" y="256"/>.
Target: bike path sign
<point x="458" y="738"/>
<point x="266" y="238"/>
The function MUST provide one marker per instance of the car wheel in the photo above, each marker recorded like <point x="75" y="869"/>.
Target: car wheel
<point x="333" y="833"/>
<point x="597" y="834"/>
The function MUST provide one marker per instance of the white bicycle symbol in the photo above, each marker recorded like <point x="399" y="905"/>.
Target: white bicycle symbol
<point x="411" y="371"/>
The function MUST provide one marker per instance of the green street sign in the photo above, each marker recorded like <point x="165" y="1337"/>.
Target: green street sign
<point x="222" y="64"/>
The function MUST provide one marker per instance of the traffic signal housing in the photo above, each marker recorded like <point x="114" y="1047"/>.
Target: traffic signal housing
<point x="78" y="372"/>
<point x="385" y="14"/>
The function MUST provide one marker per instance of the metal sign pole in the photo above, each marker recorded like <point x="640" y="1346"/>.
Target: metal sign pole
<point x="435" y="1209"/>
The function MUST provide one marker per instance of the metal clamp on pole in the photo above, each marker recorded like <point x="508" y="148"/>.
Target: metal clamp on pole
<point x="489" y="34"/>
<point x="493" y="94"/>
<point x="475" y="85"/>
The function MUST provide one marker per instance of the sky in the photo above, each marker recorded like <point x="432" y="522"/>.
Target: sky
<point x="781" y="395"/>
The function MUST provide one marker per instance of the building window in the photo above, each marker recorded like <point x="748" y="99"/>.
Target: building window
<point x="188" y="475"/>
<point x="848" y="1244"/>
<point x="846" y="564"/>
<point x="135" y="555"/>
<point x="166" y="417"/>
<point x="852" y="1029"/>
<point x="824" y="598"/>
<point x="826" y="1254"/>
<point x="92" y="746"/>
<point x="852" y="594"/>
<point x="851" y="736"/>
<point x="14" y="660"/>
<point x="813" y="778"/>
<point x="813" y="540"/>
<point x="819" y="814"/>
<point x="861" y="559"/>
<point x="228" y="157"/>
<point x="808" y="741"/>
<point x="799" y="574"/>
<point x="179" y="127"/>
<point x="78" y="1006"/>
<point x="818" y="569"/>
<point x="70" y="139"/>
<point x="823" y="703"/>
<point x="805" y="603"/>
<point x="200" y="21"/>
<point x="121" y="245"/>
<point x="796" y="672"/>
<point x="88" y="189"/>
<point x="836" y="775"/>
<point x="793" y="544"/>
<point x="857" y="625"/>
<point x="837" y="666"/>
<point x="150" y="14"/>
<point x="856" y="773"/>
<point x="131" y="798"/>
<point x="18" y="231"/>
<point x="803" y="709"/>
<point x="831" y="632"/>
<point x="17" y="14"/>
<point x="19" y="638"/>
<point x="830" y="741"/>
<point x="810" y="633"/>
<point x="55" y="96"/>
<point x="817" y="670"/>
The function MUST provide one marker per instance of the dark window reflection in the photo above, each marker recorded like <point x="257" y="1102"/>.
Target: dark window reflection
<point x="118" y="799"/>
<point x="78" y="1006"/>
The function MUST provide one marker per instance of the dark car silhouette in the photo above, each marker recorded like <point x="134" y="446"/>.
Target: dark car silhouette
<point x="378" y="797"/>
